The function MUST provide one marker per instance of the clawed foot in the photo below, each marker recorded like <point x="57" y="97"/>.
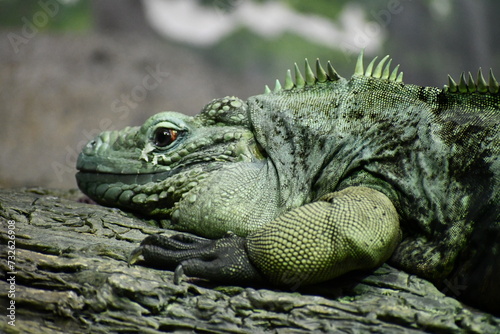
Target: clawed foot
<point x="223" y="260"/>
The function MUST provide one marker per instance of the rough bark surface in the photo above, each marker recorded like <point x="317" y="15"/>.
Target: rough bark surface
<point x="71" y="276"/>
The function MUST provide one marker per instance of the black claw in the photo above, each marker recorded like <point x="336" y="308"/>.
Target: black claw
<point x="178" y="273"/>
<point x="134" y="256"/>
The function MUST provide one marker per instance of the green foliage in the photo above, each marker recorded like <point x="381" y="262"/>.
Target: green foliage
<point x="273" y="55"/>
<point x="46" y="14"/>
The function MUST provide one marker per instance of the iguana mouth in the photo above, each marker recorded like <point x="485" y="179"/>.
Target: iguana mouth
<point x="87" y="176"/>
<point x="107" y="188"/>
<point x="152" y="193"/>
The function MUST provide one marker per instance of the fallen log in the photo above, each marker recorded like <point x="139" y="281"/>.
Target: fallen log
<point x="64" y="270"/>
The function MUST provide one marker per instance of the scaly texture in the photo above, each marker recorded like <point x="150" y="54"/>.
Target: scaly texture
<point x="327" y="238"/>
<point x="309" y="176"/>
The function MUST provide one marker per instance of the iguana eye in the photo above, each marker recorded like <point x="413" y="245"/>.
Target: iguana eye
<point x="163" y="137"/>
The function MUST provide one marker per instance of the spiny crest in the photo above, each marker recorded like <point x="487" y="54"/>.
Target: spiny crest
<point x="300" y="81"/>
<point x="470" y="86"/>
<point x="380" y="71"/>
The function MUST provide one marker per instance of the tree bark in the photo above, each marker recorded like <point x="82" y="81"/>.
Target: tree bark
<point x="69" y="274"/>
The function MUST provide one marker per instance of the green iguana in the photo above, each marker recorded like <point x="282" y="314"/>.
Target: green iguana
<point x="317" y="178"/>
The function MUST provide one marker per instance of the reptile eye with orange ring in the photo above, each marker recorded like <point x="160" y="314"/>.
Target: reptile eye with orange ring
<point x="163" y="137"/>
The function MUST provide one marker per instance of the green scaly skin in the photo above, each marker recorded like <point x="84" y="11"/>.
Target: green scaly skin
<point x="317" y="178"/>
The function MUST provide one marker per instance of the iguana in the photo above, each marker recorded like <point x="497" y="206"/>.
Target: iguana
<point x="319" y="177"/>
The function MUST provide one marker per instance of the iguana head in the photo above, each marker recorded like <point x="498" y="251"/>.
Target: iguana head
<point x="173" y="161"/>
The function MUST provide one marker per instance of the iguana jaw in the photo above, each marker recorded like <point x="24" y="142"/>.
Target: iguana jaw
<point x="154" y="194"/>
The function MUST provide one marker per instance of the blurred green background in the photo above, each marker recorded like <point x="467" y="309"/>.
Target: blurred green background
<point x="72" y="68"/>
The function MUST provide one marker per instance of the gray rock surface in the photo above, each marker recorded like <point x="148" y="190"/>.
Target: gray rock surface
<point x="71" y="276"/>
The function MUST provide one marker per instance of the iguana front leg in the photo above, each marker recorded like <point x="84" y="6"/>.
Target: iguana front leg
<point x="356" y="228"/>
